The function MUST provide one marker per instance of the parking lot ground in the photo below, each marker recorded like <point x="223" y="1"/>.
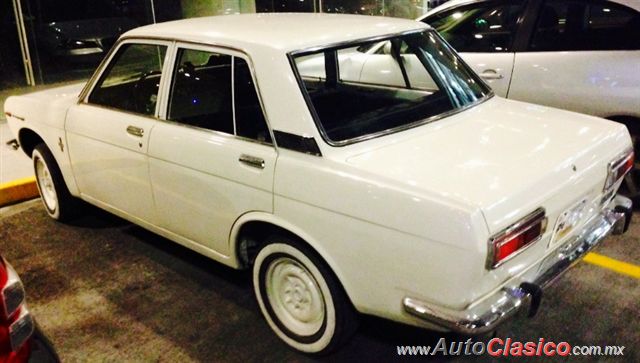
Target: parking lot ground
<point x="105" y="290"/>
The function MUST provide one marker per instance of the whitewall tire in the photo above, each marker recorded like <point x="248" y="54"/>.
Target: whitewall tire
<point x="57" y="200"/>
<point x="300" y="298"/>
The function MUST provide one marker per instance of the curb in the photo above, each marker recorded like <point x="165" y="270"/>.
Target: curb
<point x="17" y="191"/>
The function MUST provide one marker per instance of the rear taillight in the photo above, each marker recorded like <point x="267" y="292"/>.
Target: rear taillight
<point x="516" y="237"/>
<point x="16" y="323"/>
<point x="11" y="292"/>
<point x="618" y="169"/>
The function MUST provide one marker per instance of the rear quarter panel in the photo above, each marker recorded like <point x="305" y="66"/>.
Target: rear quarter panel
<point x="382" y="241"/>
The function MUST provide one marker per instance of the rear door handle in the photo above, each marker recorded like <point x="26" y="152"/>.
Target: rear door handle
<point x="252" y="161"/>
<point x="491" y="74"/>
<point x="135" y="131"/>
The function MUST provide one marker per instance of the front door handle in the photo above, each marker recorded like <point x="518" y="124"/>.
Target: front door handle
<point x="252" y="161"/>
<point x="135" y="131"/>
<point x="491" y="74"/>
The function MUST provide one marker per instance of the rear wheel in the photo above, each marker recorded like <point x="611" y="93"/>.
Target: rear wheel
<point x="300" y="297"/>
<point x="57" y="200"/>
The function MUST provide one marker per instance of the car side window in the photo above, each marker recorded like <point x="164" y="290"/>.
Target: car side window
<point x="131" y="81"/>
<point x="201" y="90"/>
<point x="203" y="94"/>
<point x="250" y="121"/>
<point x="483" y="27"/>
<point x="565" y="25"/>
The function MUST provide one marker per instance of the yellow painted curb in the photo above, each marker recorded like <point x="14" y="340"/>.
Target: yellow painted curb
<point x="17" y="191"/>
<point x="613" y="265"/>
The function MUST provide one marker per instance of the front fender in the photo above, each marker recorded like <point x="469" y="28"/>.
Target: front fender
<point x="43" y="114"/>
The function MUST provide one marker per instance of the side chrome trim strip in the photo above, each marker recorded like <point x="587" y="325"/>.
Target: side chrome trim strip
<point x="9" y="114"/>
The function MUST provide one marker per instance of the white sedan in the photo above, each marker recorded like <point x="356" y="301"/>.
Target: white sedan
<point x="422" y="198"/>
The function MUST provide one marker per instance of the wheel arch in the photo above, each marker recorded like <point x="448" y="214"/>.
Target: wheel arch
<point x="250" y="230"/>
<point x="28" y="140"/>
<point x="30" y="137"/>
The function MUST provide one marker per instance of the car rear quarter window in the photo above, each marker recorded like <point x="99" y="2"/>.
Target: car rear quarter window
<point x="572" y="25"/>
<point x="131" y="81"/>
<point x="483" y="27"/>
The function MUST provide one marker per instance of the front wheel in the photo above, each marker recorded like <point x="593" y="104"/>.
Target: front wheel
<point x="300" y="298"/>
<point x="57" y="200"/>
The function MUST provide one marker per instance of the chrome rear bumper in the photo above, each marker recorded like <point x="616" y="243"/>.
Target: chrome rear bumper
<point x="491" y="312"/>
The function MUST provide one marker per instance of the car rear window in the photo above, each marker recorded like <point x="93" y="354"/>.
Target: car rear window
<point x="364" y="89"/>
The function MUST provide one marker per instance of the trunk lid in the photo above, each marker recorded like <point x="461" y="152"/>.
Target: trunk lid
<point x="505" y="157"/>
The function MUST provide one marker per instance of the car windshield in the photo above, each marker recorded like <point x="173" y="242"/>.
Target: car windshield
<point x="368" y="88"/>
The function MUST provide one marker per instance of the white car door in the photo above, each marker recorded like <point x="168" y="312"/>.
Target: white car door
<point x="108" y="130"/>
<point x="213" y="158"/>
<point x="605" y="86"/>
<point x="483" y="33"/>
<point x="494" y="68"/>
<point x="583" y="57"/>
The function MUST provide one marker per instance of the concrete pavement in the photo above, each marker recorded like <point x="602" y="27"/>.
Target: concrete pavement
<point x="14" y="164"/>
<point x="105" y="290"/>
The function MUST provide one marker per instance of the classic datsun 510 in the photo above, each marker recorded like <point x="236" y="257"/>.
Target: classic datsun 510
<point x="355" y="164"/>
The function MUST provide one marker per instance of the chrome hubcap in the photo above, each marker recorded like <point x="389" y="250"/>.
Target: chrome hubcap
<point x="45" y="182"/>
<point x="295" y="296"/>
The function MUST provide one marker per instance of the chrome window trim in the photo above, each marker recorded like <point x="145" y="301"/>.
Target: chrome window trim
<point x="215" y="132"/>
<point x="231" y="52"/>
<point x="308" y="50"/>
<point x="163" y="98"/>
<point x="130" y="113"/>
<point x="104" y="65"/>
<point x="165" y="82"/>
<point x="233" y="95"/>
<point x="539" y="215"/>
<point x="392" y="130"/>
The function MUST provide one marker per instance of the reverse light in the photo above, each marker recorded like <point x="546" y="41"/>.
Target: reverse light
<point x="511" y="241"/>
<point x="618" y="168"/>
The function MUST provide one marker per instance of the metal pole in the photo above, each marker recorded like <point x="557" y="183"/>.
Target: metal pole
<point x="24" y="43"/>
<point x="153" y="11"/>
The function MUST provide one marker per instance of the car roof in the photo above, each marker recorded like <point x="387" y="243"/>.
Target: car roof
<point x="280" y="31"/>
<point x="634" y="4"/>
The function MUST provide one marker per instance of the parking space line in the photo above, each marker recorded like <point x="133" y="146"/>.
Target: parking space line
<point x="18" y="190"/>
<point x="613" y="265"/>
